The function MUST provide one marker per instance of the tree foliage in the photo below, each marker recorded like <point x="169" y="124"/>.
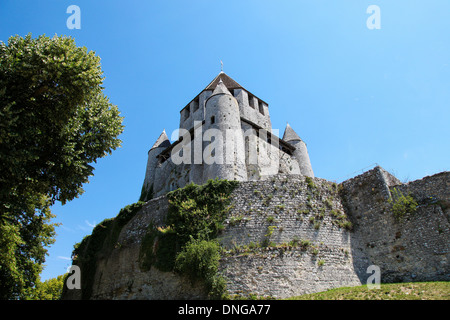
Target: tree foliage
<point x="50" y="289"/>
<point x="55" y="121"/>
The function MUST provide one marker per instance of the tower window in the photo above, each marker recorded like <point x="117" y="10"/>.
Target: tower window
<point x="196" y="104"/>
<point x="213" y="120"/>
<point x="261" y="107"/>
<point x="251" y="101"/>
<point x="187" y="112"/>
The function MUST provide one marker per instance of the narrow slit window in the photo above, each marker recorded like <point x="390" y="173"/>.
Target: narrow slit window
<point x="196" y="104"/>
<point x="187" y="113"/>
<point x="250" y="101"/>
<point x="261" y="107"/>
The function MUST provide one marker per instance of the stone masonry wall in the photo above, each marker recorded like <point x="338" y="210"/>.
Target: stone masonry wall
<point x="119" y="276"/>
<point x="282" y="213"/>
<point x="415" y="248"/>
<point x="289" y="235"/>
<point x="301" y="255"/>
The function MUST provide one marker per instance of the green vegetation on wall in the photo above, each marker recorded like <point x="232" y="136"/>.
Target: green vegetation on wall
<point x="146" y="193"/>
<point x="401" y="204"/>
<point x="99" y="245"/>
<point x="187" y="244"/>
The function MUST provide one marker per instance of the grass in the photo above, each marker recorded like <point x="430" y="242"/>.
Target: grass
<point x="391" y="291"/>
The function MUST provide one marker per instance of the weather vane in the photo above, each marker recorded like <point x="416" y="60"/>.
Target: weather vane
<point x="221" y="66"/>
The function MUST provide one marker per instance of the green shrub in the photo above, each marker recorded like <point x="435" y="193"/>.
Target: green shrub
<point x="310" y="183"/>
<point x="346" y="225"/>
<point x="188" y="243"/>
<point x="305" y="243"/>
<point x="270" y="230"/>
<point x="329" y="202"/>
<point x="199" y="259"/>
<point x="199" y="211"/>
<point x="401" y="204"/>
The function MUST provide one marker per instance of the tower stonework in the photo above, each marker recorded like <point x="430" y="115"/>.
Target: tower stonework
<point x="225" y="132"/>
<point x="223" y="121"/>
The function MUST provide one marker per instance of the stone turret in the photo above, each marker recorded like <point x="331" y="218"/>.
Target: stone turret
<point x="161" y="143"/>
<point x="225" y="133"/>
<point x="224" y="157"/>
<point x="300" y="153"/>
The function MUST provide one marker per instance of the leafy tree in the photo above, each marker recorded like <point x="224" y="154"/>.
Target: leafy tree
<point x="55" y="121"/>
<point x="50" y="289"/>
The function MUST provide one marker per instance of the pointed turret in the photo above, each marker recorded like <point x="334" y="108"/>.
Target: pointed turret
<point x="290" y="134"/>
<point x="161" y="144"/>
<point x="221" y="88"/>
<point x="300" y="153"/>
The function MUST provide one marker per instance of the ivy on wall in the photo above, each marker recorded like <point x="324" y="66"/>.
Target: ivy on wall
<point x="188" y="244"/>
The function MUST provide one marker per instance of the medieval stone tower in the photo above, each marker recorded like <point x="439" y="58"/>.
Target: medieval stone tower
<point x="284" y="232"/>
<point x="225" y="132"/>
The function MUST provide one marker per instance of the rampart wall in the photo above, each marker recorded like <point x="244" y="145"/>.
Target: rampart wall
<point x="413" y="248"/>
<point x="289" y="235"/>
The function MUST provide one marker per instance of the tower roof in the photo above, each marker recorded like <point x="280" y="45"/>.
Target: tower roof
<point x="163" y="141"/>
<point x="227" y="81"/>
<point x="290" y="134"/>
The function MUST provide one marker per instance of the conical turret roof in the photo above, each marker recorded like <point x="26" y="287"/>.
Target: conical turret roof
<point x="221" y="88"/>
<point x="162" y="142"/>
<point x="290" y="134"/>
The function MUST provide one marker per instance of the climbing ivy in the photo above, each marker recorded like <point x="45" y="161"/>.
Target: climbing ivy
<point x="188" y="244"/>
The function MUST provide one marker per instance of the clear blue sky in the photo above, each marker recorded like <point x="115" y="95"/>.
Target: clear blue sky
<point x="356" y="96"/>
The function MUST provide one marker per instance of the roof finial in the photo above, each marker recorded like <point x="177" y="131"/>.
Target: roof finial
<point x="221" y="66"/>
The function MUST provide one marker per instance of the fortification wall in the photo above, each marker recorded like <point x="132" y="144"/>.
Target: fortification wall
<point x="300" y="225"/>
<point x="289" y="235"/>
<point x="288" y="203"/>
<point x="307" y="251"/>
<point x="413" y="248"/>
<point x="120" y="276"/>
